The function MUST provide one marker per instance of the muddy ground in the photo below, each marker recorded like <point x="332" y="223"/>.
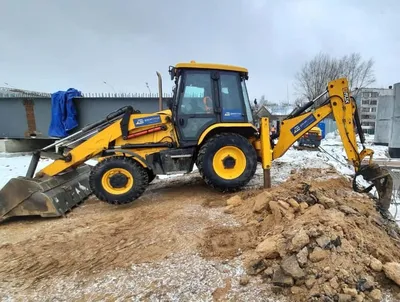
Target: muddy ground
<point x="176" y="243"/>
<point x="145" y="251"/>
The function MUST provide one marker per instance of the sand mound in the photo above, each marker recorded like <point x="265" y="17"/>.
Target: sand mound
<point x="312" y="239"/>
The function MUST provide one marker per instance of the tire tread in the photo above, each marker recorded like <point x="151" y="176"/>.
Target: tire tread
<point x="251" y="158"/>
<point x="141" y="180"/>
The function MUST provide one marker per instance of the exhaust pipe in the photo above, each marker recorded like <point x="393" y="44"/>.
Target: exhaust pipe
<point x="160" y="104"/>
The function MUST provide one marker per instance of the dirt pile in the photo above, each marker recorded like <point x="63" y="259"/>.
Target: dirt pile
<point x="313" y="239"/>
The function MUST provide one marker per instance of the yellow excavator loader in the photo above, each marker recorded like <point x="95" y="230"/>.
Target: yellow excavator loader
<point x="209" y="123"/>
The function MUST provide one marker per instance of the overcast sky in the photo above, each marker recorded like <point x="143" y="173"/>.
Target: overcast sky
<point x="54" y="45"/>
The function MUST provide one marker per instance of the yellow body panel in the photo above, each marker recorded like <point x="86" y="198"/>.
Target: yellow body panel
<point x="100" y="141"/>
<point x="225" y="125"/>
<point x="168" y="135"/>
<point x="194" y="64"/>
<point x="265" y="144"/>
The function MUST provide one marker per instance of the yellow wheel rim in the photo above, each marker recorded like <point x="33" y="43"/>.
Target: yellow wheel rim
<point x="110" y="187"/>
<point x="229" y="162"/>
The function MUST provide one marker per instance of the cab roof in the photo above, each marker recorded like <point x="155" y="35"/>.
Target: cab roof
<point x="194" y="64"/>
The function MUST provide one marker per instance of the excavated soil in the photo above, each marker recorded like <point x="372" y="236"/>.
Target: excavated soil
<point x="309" y="239"/>
<point x="313" y="239"/>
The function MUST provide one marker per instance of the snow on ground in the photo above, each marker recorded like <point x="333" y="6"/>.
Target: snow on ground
<point x="16" y="164"/>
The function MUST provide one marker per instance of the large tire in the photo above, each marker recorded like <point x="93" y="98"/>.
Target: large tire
<point x="151" y="175"/>
<point x="118" y="180"/>
<point x="227" y="162"/>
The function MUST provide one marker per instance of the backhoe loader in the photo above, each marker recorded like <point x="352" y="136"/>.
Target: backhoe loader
<point x="208" y="123"/>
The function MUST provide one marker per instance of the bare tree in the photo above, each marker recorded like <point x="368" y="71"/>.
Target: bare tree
<point x="313" y="77"/>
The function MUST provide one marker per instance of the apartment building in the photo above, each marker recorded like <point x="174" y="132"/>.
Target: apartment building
<point x="367" y="102"/>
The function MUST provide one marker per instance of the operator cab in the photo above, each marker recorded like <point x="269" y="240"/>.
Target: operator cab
<point x="206" y="94"/>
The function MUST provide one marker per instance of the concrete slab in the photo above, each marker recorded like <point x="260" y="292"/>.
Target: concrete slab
<point x="22" y="145"/>
<point x="389" y="162"/>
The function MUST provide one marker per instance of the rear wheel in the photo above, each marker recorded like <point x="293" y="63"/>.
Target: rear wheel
<point x="227" y="162"/>
<point x="118" y="180"/>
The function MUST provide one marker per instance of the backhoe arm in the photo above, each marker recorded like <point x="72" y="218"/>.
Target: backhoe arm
<point x="343" y="108"/>
<point x="294" y="128"/>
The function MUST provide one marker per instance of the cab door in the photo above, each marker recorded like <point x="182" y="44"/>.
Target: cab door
<point x="231" y="98"/>
<point x="197" y="105"/>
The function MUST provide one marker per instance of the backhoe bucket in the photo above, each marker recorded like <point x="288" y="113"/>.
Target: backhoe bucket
<point x="46" y="197"/>
<point x="381" y="179"/>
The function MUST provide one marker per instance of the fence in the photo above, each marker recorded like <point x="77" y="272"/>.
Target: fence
<point x="28" y="115"/>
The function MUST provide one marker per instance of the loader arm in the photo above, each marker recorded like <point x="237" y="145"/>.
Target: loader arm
<point x="344" y="110"/>
<point x="100" y="142"/>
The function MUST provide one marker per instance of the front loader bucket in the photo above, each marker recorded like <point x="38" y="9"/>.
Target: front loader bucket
<point x="51" y="197"/>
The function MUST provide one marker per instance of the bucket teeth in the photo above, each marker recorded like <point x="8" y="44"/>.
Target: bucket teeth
<point x="51" y="197"/>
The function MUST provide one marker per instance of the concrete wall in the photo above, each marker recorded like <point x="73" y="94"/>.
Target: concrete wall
<point x="384" y="119"/>
<point x="394" y="139"/>
<point x="27" y="117"/>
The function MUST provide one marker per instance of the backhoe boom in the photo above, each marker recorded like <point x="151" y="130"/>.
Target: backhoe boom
<point x="343" y="108"/>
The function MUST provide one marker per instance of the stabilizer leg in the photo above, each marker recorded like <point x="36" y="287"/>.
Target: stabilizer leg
<point x="266" y="152"/>
<point x="33" y="164"/>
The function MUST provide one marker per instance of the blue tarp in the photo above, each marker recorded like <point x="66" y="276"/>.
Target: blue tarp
<point x="63" y="112"/>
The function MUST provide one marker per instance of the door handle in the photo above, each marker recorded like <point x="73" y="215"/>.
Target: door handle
<point x="181" y="121"/>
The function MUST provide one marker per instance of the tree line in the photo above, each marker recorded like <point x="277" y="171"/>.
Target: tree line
<point x="314" y="75"/>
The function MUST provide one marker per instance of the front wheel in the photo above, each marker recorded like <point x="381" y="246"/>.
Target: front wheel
<point x="118" y="180"/>
<point x="227" y="162"/>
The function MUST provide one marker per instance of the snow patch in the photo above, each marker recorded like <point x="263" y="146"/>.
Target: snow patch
<point x="83" y="188"/>
<point x="13" y="165"/>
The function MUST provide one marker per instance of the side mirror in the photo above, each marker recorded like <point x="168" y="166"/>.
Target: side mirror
<point x="171" y="71"/>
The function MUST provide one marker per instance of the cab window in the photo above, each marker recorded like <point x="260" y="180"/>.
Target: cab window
<point x="197" y="94"/>
<point x="231" y="97"/>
